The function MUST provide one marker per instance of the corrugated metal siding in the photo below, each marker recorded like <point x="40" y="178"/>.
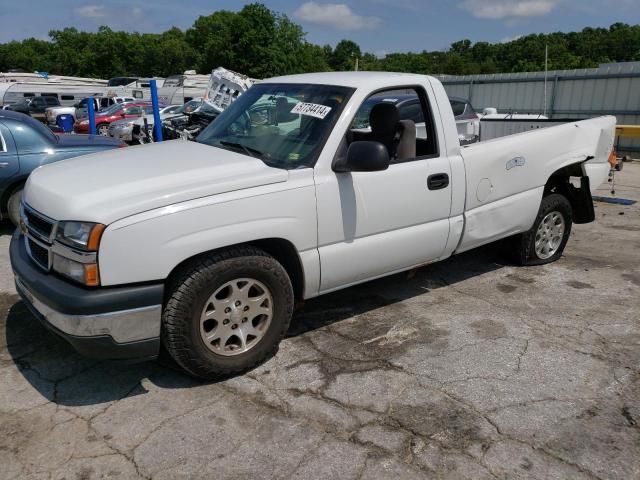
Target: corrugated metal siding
<point x="611" y="89"/>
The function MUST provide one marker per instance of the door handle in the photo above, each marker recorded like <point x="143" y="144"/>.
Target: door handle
<point x="4" y="164"/>
<point x="438" y="181"/>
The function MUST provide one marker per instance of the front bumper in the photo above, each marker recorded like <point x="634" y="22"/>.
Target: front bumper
<point x="106" y="323"/>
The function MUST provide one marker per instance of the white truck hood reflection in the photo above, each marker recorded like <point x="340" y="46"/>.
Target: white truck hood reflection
<point x="108" y="186"/>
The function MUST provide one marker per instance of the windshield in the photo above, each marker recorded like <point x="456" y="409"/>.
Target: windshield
<point x="457" y="107"/>
<point x="190" y="106"/>
<point x="112" y="109"/>
<point x="173" y="81"/>
<point x="40" y="128"/>
<point x="207" y="109"/>
<point x="284" y="125"/>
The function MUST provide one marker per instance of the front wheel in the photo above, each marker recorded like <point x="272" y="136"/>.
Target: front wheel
<point x="545" y="241"/>
<point x="103" y="130"/>
<point x="13" y="206"/>
<point x="227" y="313"/>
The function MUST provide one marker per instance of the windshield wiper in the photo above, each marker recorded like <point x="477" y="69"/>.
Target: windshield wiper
<point x="252" y="152"/>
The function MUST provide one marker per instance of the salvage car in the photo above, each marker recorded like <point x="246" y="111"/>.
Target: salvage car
<point x="189" y="124"/>
<point x="117" y="111"/>
<point x="126" y="130"/>
<point x="79" y="110"/>
<point x="202" y="248"/>
<point x="34" y="106"/>
<point x="26" y="144"/>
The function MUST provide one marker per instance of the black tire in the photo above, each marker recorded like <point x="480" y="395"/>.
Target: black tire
<point x="13" y="206"/>
<point x="524" y="245"/>
<point x="190" y="291"/>
<point x="103" y="130"/>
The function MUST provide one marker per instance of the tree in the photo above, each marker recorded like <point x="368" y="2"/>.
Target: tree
<point x="262" y="43"/>
<point x="343" y="57"/>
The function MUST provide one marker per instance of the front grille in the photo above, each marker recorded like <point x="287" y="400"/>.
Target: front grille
<point x="40" y="230"/>
<point x="38" y="224"/>
<point x="39" y="254"/>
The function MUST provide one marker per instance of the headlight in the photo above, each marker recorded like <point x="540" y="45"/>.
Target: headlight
<point x="81" y="235"/>
<point x="84" y="273"/>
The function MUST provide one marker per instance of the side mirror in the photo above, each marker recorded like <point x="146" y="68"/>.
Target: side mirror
<point x="364" y="156"/>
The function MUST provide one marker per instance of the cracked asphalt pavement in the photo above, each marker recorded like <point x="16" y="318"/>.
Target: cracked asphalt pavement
<point x="470" y="368"/>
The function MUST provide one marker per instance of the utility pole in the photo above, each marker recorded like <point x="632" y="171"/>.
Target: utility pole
<point x="546" y="70"/>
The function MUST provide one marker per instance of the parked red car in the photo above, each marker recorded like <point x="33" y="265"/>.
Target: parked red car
<point x="115" y="112"/>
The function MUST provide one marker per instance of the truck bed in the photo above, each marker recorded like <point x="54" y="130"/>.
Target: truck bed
<point x="505" y="176"/>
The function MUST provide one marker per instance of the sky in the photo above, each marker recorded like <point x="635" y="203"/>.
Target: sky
<point x="378" y="26"/>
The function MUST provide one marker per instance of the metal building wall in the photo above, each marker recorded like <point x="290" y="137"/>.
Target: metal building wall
<point x="612" y="89"/>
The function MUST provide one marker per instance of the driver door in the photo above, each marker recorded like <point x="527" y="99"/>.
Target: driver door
<point x="374" y="223"/>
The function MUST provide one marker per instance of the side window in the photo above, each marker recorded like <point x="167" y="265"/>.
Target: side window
<point x="67" y="97"/>
<point x="137" y="93"/>
<point x="412" y="111"/>
<point x="3" y="144"/>
<point x="45" y="94"/>
<point x="37" y="102"/>
<point x="104" y="102"/>
<point x="457" y="107"/>
<point x="133" y="111"/>
<point x="28" y="95"/>
<point x="401" y="119"/>
<point x="51" y="101"/>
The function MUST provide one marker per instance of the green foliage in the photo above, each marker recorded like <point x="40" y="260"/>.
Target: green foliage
<point x="262" y="43"/>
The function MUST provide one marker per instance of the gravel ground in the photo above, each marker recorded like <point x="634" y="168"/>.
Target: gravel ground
<point x="470" y="368"/>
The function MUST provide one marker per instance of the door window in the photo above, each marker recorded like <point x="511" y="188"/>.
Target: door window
<point x="133" y="111"/>
<point x="37" y="102"/>
<point x="415" y="124"/>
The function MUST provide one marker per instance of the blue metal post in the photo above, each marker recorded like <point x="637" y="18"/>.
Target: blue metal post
<point x="157" y="126"/>
<point x="92" y="116"/>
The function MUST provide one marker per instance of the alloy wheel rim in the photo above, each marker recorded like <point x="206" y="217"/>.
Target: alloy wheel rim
<point x="236" y="317"/>
<point x="549" y="235"/>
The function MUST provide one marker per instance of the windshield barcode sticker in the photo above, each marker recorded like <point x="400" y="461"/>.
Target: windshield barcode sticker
<point x="311" y="110"/>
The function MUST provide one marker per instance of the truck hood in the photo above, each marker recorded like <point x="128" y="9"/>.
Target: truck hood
<point x="111" y="185"/>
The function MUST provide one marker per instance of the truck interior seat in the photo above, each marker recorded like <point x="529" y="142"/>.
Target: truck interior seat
<point x="399" y="136"/>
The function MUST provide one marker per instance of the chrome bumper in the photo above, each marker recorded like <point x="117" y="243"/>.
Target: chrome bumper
<point x="122" y="326"/>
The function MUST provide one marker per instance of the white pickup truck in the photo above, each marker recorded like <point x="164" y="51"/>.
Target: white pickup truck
<point x="202" y="248"/>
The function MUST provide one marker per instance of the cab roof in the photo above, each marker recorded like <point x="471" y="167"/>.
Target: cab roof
<point x="371" y="80"/>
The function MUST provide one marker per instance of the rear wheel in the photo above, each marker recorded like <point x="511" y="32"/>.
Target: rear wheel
<point x="545" y="241"/>
<point x="227" y="313"/>
<point x="13" y="206"/>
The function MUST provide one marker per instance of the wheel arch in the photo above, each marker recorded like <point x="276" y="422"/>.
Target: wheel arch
<point x="9" y="190"/>
<point x="579" y="196"/>
<point x="279" y="248"/>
